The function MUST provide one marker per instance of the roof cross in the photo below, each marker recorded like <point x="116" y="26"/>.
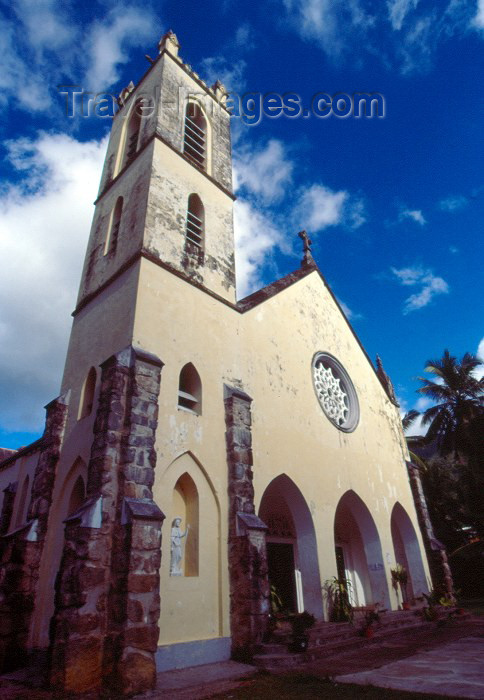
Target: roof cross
<point x="307" y="243"/>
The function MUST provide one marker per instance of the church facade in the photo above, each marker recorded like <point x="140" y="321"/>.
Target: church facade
<point x="203" y="451"/>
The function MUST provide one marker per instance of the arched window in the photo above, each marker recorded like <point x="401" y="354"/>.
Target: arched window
<point x="185" y="546"/>
<point x="21" y="504"/>
<point x="87" y="394"/>
<point x="77" y="497"/>
<point x="114" y="224"/>
<point x="190" y="390"/>
<point x="131" y="144"/>
<point x="195" y="138"/>
<point x="195" y="220"/>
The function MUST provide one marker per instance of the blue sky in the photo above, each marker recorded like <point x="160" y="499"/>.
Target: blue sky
<point x="394" y="206"/>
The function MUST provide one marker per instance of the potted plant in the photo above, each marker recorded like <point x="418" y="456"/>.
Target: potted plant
<point x="337" y="592"/>
<point x="275" y="613"/>
<point x="300" y="624"/>
<point x="372" y="618"/>
<point x="400" y="579"/>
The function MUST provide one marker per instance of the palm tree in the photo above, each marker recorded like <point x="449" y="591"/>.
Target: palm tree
<point x="459" y="398"/>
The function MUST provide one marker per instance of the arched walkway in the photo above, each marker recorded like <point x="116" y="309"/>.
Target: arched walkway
<point x="407" y="552"/>
<point x="291" y="546"/>
<point x="359" y="556"/>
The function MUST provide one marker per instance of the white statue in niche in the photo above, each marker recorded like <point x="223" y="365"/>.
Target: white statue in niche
<point x="176" y="547"/>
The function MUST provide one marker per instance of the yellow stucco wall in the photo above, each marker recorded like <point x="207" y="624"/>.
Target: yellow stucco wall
<point x="268" y="352"/>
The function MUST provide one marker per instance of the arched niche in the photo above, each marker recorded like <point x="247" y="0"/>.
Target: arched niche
<point x="190" y="390"/>
<point x="292" y="548"/>
<point x="359" y="556"/>
<point x="186" y="507"/>
<point x="407" y="552"/>
<point x="185" y="596"/>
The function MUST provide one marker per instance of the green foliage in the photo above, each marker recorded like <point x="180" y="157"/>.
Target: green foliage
<point x="459" y="403"/>
<point x="337" y="593"/>
<point x="276" y="602"/>
<point x="453" y="477"/>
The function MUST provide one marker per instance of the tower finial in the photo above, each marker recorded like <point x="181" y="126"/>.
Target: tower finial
<point x="170" y="42"/>
<point x="308" y="259"/>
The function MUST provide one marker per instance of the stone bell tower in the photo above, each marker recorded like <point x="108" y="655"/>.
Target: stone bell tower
<point x="166" y="187"/>
<point x="165" y="205"/>
<point x="163" y="218"/>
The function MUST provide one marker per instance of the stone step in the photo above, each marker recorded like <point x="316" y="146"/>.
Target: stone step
<point x="284" y="660"/>
<point x="276" y="657"/>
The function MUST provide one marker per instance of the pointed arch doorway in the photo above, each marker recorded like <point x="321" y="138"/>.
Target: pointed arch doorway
<point x="291" y="547"/>
<point x="359" y="556"/>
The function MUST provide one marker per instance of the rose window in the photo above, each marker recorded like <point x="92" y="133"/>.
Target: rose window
<point x="335" y="392"/>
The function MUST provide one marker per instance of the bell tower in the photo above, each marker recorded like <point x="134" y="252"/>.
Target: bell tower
<point x="166" y="187"/>
<point x="164" y="211"/>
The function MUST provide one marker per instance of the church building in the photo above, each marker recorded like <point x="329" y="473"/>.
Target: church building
<point x="203" y="451"/>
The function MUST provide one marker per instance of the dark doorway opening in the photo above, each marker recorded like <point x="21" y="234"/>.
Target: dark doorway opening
<point x="280" y="560"/>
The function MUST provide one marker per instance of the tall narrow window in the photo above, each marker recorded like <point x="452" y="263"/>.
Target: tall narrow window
<point x="87" y="394"/>
<point x="190" y="390"/>
<point x="195" y="220"/>
<point x="132" y="134"/>
<point x="195" y="139"/>
<point x="77" y="496"/>
<point x="113" y="230"/>
<point x="21" y="504"/>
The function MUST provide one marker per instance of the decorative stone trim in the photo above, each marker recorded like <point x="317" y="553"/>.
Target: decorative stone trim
<point x="435" y="550"/>
<point x="248" y="573"/>
<point x="22" y="550"/>
<point x="105" y="633"/>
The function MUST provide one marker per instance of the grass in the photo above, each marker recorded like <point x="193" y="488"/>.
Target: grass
<point x="296" y="686"/>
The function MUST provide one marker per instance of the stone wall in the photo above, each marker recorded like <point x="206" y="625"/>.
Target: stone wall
<point x="104" y="632"/>
<point x="249" y="583"/>
<point x="22" y="549"/>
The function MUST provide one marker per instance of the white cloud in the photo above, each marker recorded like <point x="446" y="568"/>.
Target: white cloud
<point x="430" y="286"/>
<point x="349" y="313"/>
<point x="320" y="207"/>
<point x="43" y="234"/>
<point x="423" y="403"/>
<point x="417" y="428"/>
<point x="230" y="73"/>
<point x="229" y="67"/>
<point x="401" y="33"/>
<point x="398" y="10"/>
<point x="479" y="372"/>
<point x="479" y="18"/>
<point x="453" y="203"/>
<point x="47" y="39"/>
<point x="109" y="40"/>
<point x="413" y="214"/>
<point x="255" y="238"/>
<point x="264" y="172"/>
<point x="329" y="22"/>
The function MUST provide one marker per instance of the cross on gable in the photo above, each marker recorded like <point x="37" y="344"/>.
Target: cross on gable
<point x="306" y="240"/>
